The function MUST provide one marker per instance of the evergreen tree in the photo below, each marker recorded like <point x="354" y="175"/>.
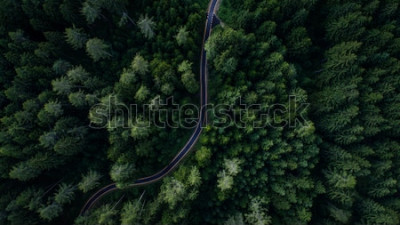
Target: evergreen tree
<point x="146" y="26"/>
<point x="182" y="36"/>
<point x="89" y="181"/>
<point x="91" y="11"/>
<point x="65" y="194"/>
<point x="123" y="174"/>
<point x="97" y="49"/>
<point x="76" y="37"/>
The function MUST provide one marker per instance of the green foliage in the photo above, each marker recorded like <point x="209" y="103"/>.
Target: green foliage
<point x="172" y="192"/>
<point x="97" y="49"/>
<point x="89" y="181"/>
<point x="106" y="215"/>
<point x="24" y="172"/>
<point x="78" y="74"/>
<point x="54" y="108"/>
<point x="182" y="36"/>
<point x="128" y="77"/>
<point x="131" y="213"/>
<point x="142" y="94"/>
<point x="258" y="214"/>
<point x="61" y="67"/>
<point x="77" y="99"/>
<point x="64" y="194"/>
<point x="187" y="78"/>
<point x="123" y="174"/>
<point x="76" y="37"/>
<point x="68" y="146"/>
<point x="50" y="212"/>
<point x="235" y="220"/>
<point x="225" y="181"/>
<point x="62" y="86"/>
<point x="140" y="65"/>
<point x="146" y="26"/>
<point x="140" y="130"/>
<point x="203" y="156"/>
<point x="91" y="11"/>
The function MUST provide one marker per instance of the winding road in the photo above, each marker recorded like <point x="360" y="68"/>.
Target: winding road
<point x="211" y="21"/>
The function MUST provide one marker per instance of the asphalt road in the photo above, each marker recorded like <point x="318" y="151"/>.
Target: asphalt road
<point x="211" y="20"/>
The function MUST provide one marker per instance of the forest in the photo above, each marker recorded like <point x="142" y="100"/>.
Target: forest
<point x="66" y="63"/>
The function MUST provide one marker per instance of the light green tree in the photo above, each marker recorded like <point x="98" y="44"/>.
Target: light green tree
<point x="187" y="78"/>
<point x="89" y="181"/>
<point x="194" y="177"/>
<point x="182" y="36"/>
<point x="203" y="156"/>
<point x="128" y="77"/>
<point x="90" y="11"/>
<point x="54" y="108"/>
<point x="131" y="213"/>
<point x="50" y="212"/>
<point x="24" y="172"/>
<point x="140" y="65"/>
<point x="142" y="94"/>
<point x="75" y="37"/>
<point x="68" y="146"/>
<point x="62" y="86"/>
<point x="172" y="191"/>
<point x="48" y="139"/>
<point x="97" y="49"/>
<point x="146" y="26"/>
<point x="77" y="99"/>
<point x="258" y="213"/>
<point x="140" y="129"/>
<point x="106" y="215"/>
<point x="225" y="181"/>
<point x="123" y="174"/>
<point x="232" y="166"/>
<point x="78" y="74"/>
<point x="237" y="219"/>
<point x="65" y="194"/>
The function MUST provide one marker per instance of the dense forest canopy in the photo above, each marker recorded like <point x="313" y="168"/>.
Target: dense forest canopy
<point x="69" y="69"/>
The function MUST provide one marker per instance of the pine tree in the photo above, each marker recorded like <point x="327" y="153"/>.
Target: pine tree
<point x="50" y="212"/>
<point x="89" y="181"/>
<point x="258" y="214"/>
<point x="68" y="146"/>
<point x="237" y="219"/>
<point x="54" y="108"/>
<point x="65" y="194"/>
<point x="140" y="129"/>
<point x="78" y="74"/>
<point x="131" y="213"/>
<point x="172" y="191"/>
<point x="146" y="26"/>
<point x="142" y="94"/>
<point x="62" y="86"/>
<point x="182" y="36"/>
<point x="77" y="99"/>
<point x="91" y="11"/>
<point x="61" y="67"/>
<point x="76" y="37"/>
<point x="187" y="78"/>
<point x="225" y="181"/>
<point x="97" y="49"/>
<point x="140" y="65"/>
<point x="123" y="174"/>
<point x="106" y="215"/>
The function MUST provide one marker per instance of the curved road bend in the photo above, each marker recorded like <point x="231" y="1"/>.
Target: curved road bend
<point x="210" y="22"/>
